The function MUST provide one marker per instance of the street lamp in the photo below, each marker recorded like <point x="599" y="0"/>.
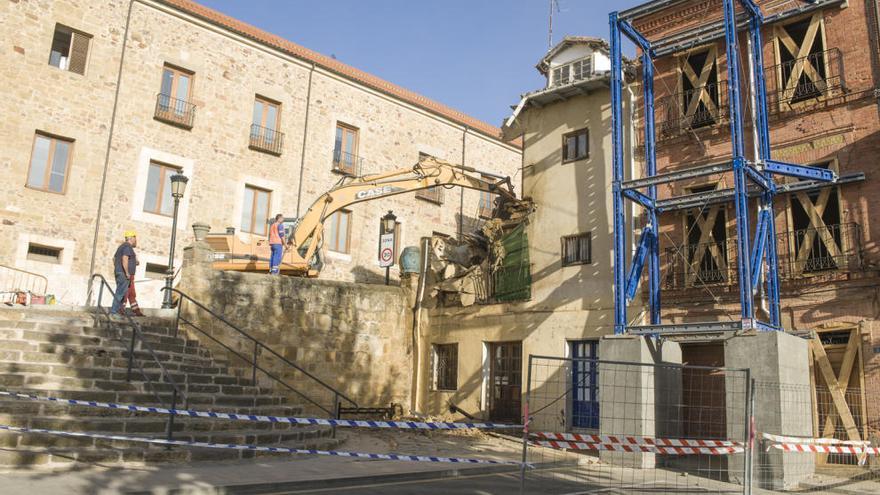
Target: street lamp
<point x="389" y="222"/>
<point x="178" y="186"/>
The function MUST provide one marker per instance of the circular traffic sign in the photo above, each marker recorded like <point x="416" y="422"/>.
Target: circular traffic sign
<point x="386" y="254"/>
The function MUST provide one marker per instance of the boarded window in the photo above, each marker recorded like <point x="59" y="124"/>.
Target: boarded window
<point x="70" y="50"/>
<point x="802" y="63"/>
<point x="577" y="249"/>
<point x="513" y="279"/>
<point x="345" y="150"/>
<point x="50" y="160"/>
<point x="255" y="210"/>
<point x="576" y="145"/>
<point x="337" y="232"/>
<point x="445" y="366"/>
<point x="700" y="90"/>
<point x="158" y="197"/>
<point x="45" y="254"/>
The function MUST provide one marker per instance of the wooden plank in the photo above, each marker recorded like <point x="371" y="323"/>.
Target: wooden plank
<point x="843" y="378"/>
<point x="837" y="396"/>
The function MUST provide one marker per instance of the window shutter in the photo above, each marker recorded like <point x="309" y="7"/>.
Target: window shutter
<point x="79" y="53"/>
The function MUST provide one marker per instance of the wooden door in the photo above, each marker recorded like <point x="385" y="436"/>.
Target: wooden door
<point x="704" y="401"/>
<point x="505" y="381"/>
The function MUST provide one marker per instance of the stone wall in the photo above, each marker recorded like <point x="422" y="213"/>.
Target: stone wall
<point x="354" y="337"/>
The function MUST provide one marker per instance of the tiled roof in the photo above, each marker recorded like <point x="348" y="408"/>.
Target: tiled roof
<point x="325" y="62"/>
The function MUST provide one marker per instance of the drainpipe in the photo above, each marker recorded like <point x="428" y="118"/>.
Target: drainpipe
<point x="417" y="324"/>
<point x="302" y="162"/>
<point x="107" y="153"/>
<point x="876" y="5"/>
<point x="461" y="196"/>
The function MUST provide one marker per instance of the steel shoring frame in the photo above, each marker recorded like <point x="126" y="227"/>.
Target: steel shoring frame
<point x="751" y="259"/>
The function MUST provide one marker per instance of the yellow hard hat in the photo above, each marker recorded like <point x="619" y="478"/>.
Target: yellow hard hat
<point x="130" y="233"/>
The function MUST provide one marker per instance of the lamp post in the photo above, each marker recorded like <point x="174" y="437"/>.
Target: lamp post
<point x="178" y="186"/>
<point x="389" y="221"/>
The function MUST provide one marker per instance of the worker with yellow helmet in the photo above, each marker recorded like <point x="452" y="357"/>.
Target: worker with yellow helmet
<point x="124" y="265"/>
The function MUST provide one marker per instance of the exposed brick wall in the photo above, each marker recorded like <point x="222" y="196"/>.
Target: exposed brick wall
<point x="845" y="128"/>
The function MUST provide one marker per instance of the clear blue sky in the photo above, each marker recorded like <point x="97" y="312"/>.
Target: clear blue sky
<point x="477" y="56"/>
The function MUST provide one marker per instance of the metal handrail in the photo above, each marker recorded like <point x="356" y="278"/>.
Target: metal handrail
<point x="136" y="332"/>
<point x="257" y="347"/>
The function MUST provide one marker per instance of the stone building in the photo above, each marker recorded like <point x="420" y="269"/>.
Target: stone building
<point x="476" y="357"/>
<point x="821" y="70"/>
<point x="104" y="101"/>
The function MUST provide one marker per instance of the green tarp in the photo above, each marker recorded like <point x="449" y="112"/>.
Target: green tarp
<point x="513" y="280"/>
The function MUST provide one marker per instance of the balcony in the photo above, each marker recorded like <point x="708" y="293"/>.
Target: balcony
<point x="266" y="140"/>
<point x="829" y="250"/>
<point x="792" y="87"/>
<point x="347" y="163"/>
<point x="174" y="111"/>
<point x="814" y="251"/>
<point x="704" y="106"/>
<point x="801" y="83"/>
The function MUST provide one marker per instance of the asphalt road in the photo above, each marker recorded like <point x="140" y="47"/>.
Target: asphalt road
<point x="551" y="482"/>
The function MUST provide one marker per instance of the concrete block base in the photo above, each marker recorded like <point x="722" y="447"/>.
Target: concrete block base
<point x="779" y="364"/>
<point x="637" y="396"/>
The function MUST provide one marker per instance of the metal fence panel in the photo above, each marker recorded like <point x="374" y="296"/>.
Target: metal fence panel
<point x="624" y="427"/>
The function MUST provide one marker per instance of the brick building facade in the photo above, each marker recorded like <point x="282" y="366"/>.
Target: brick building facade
<point x="821" y="71"/>
<point x="103" y="101"/>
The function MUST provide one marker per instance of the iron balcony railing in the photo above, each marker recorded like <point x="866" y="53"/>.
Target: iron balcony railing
<point x="813" y="251"/>
<point x="175" y="111"/>
<point x="704" y="106"/>
<point x="807" y="79"/>
<point x="802" y="253"/>
<point x="265" y="139"/>
<point x="347" y="163"/>
<point x="790" y="85"/>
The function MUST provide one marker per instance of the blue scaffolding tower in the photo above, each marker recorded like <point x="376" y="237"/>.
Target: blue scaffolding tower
<point x="757" y="262"/>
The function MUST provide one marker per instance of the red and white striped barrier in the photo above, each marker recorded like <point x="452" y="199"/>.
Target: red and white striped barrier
<point x="813" y="441"/>
<point x="821" y="445"/>
<point x="826" y="449"/>
<point x="633" y="440"/>
<point x="622" y="447"/>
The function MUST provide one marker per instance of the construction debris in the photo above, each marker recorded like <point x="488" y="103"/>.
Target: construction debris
<point x="462" y="268"/>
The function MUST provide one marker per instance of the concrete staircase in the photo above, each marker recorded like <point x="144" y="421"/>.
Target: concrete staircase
<point x="70" y="354"/>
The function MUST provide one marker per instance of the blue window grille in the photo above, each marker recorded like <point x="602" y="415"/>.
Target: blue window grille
<point x="585" y="384"/>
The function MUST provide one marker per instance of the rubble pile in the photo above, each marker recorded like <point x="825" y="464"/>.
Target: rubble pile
<point x="462" y="269"/>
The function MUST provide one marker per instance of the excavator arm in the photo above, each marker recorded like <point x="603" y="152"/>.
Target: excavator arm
<point x="235" y="253"/>
<point x="429" y="172"/>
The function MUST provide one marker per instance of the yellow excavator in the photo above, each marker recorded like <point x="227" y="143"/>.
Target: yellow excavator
<point x="303" y="257"/>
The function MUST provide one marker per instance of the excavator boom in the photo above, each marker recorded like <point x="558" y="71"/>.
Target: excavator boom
<point x="302" y="256"/>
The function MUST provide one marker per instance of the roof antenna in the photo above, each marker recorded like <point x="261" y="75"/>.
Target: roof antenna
<point x="553" y="3"/>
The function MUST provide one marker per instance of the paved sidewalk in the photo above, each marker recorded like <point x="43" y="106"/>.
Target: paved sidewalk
<point x="279" y="473"/>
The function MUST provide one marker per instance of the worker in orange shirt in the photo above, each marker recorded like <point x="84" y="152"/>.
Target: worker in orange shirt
<point x="276" y="244"/>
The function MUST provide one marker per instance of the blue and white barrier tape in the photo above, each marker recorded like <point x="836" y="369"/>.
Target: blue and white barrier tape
<point x="407" y="425"/>
<point x="258" y="448"/>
